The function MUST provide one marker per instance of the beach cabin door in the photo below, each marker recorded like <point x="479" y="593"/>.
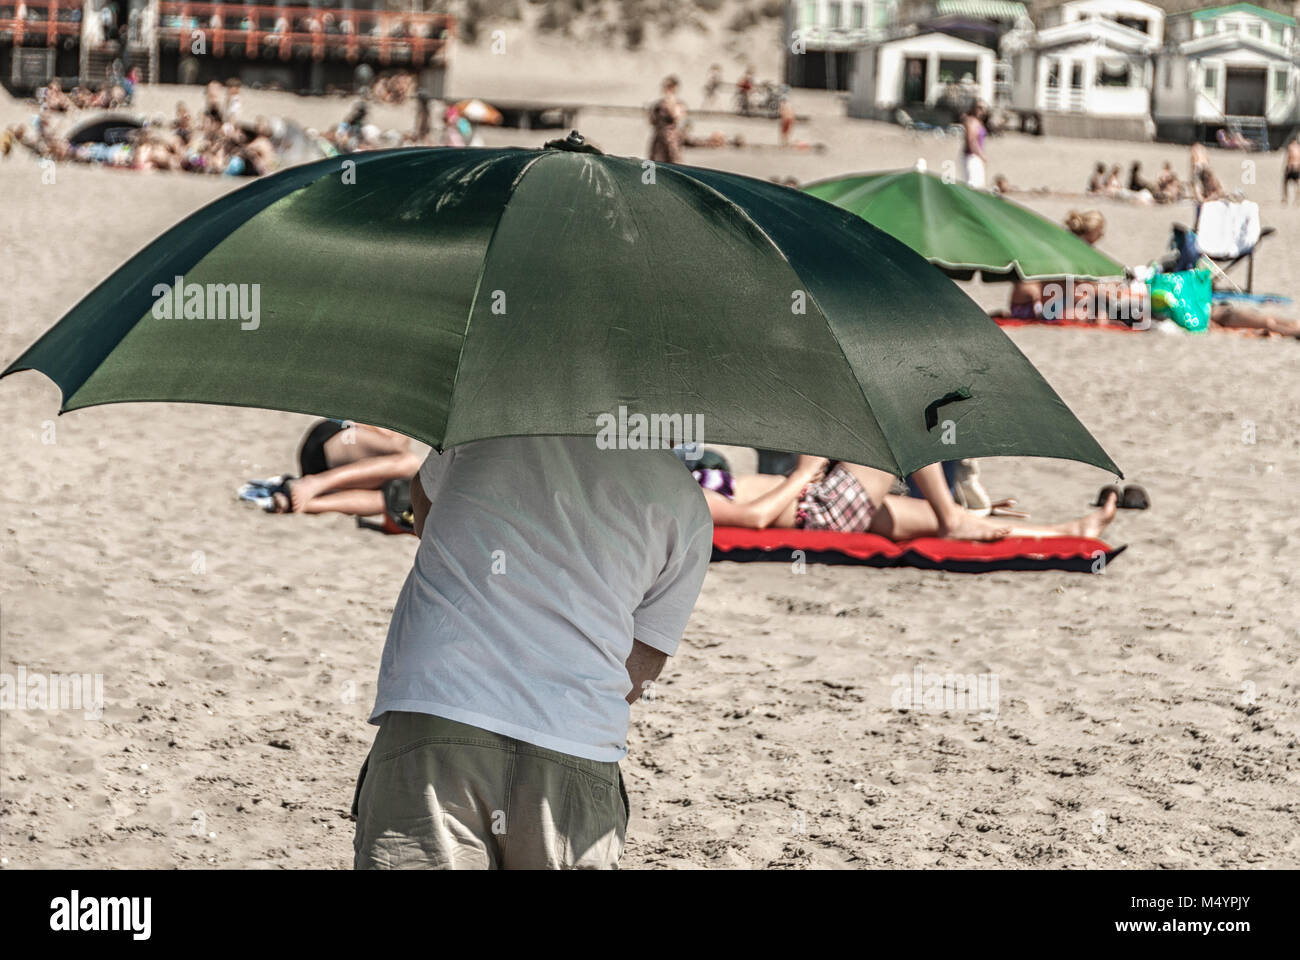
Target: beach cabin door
<point x="1245" y="92"/>
<point x="915" y="86"/>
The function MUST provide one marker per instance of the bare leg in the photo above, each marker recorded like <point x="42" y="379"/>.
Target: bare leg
<point x="368" y="474"/>
<point x="359" y="503"/>
<point x="939" y="515"/>
<point x="903" y="518"/>
<point x="1240" y="317"/>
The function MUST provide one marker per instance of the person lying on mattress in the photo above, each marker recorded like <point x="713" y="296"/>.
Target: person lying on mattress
<point x="850" y="498"/>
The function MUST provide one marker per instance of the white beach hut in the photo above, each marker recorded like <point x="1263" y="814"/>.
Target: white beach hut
<point x="914" y="73"/>
<point x="1088" y="70"/>
<point x="1228" y="66"/>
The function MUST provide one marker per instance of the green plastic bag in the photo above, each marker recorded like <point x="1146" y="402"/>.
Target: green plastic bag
<point x="1183" y="296"/>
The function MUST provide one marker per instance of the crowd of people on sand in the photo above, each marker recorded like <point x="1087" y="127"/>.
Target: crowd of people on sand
<point x="218" y="139"/>
<point x="1100" y="303"/>
<point x="1122" y="301"/>
<point x="1108" y="181"/>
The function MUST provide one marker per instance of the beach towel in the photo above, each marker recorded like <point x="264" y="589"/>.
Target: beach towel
<point x="1225" y="230"/>
<point x="1077" y="554"/>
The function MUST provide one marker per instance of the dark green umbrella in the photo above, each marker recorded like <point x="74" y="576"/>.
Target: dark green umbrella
<point x="961" y="230"/>
<point x="460" y="294"/>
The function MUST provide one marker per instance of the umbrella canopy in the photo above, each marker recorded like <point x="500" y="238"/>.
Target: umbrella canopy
<point x="961" y="230"/>
<point x="461" y="294"/>
<point x="476" y="111"/>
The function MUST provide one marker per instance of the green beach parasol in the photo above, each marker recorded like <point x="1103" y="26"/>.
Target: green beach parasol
<point x="461" y="294"/>
<point x="961" y="230"/>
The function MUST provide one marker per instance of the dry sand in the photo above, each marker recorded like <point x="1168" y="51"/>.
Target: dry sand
<point x="1147" y="716"/>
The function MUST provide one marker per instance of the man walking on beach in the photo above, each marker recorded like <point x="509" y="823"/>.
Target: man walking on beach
<point x="552" y="580"/>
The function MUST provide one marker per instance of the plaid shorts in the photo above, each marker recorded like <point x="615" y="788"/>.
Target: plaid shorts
<point x="835" y="502"/>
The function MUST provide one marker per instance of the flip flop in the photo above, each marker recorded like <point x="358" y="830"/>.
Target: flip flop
<point x="1134" y="497"/>
<point x="1106" y="491"/>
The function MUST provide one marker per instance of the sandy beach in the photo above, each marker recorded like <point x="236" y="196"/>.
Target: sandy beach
<point x="1147" y="716"/>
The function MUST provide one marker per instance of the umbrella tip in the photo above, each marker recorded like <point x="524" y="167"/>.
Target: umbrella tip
<point x="573" y="143"/>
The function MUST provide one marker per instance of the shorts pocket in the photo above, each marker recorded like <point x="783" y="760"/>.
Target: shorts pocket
<point x="594" y="822"/>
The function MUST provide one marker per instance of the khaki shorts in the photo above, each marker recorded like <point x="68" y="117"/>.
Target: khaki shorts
<point x="437" y="794"/>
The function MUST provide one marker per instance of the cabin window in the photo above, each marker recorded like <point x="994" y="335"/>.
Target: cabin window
<point x="1279" y="82"/>
<point x="952" y="71"/>
<point x="1211" y="79"/>
<point x="859" y="16"/>
<point x="1076" y="76"/>
<point x="1054" y="74"/>
<point x="1114" y="73"/>
<point x="1275" y="34"/>
<point x="1133" y="23"/>
<point x="1254" y="29"/>
<point x="836" y="12"/>
<point x="810" y="13"/>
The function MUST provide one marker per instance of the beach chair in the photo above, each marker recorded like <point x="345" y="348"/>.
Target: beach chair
<point x="1228" y="232"/>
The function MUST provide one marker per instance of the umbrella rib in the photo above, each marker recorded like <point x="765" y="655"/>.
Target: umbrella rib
<point x="811" y="296"/>
<point x="478" y="283"/>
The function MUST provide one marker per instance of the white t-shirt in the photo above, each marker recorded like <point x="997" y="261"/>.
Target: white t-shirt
<point x="542" y="559"/>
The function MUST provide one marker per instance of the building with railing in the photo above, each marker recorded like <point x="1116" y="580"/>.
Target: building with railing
<point x="303" y="46"/>
<point x="824" y="36"/>
<point x="1235" y="67"/>
<point x="1088" y="69"/>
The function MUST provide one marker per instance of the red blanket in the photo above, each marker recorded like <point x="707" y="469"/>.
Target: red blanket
<point x="1080" y="554"/>
<point x="1078" y="324"/>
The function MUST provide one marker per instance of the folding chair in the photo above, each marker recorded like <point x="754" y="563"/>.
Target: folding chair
<point x="1228" y="232"/>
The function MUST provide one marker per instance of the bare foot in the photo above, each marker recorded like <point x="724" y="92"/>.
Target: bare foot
<point x="966" y="526"/>
<point x="281" y="502"/>
<point x="1094" y="523"/>
<point x="301" y="491"/>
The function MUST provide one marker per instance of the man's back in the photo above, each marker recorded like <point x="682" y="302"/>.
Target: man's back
<point x="541" y="559"/>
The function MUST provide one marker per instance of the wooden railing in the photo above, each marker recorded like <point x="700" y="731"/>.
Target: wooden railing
<point x="46" y="20"/>
<point x="1065" y="100"/>
<point x="257" y="28"/>
<point x="316" y="29"/>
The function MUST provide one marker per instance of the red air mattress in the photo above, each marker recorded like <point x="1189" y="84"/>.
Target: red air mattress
<point x="1069" y="324"/>
<point x="1080" y="554"/>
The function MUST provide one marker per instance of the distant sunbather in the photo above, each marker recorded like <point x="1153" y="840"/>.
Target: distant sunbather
<point x="1089" y="300"/>
<point x="1237" y="317"/>
<point x="847" y="497"/>
<point x="344" y="465"/>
